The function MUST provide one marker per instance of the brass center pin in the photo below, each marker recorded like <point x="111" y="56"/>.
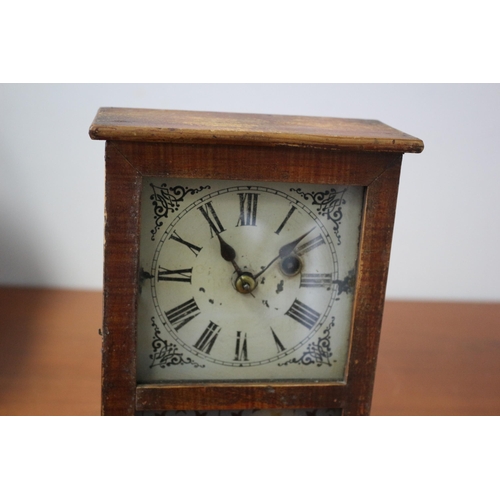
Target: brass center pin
<point x="245" y="283"/>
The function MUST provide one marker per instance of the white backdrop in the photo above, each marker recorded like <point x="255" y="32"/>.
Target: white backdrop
<point x="447" y="234"/>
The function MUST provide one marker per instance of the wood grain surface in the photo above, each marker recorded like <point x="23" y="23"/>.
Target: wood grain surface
<point x="270" y="148"/>
<point x="435" y="358"/>
<point x="438" y="359"/>
<point x="127" y="163"/>
<point x="152" y="125"/>
<point x="50" y="352"/>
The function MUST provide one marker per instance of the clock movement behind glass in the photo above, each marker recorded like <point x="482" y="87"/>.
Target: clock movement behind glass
<point x="246" y="260"/>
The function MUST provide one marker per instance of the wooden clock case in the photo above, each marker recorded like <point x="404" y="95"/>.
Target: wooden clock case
<point x="246" y="147"/>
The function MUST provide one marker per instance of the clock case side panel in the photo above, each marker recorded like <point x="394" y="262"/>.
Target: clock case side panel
<point x="378" y="172"/>
<point x="121" y="257"/>
<point x="373" y="265"/>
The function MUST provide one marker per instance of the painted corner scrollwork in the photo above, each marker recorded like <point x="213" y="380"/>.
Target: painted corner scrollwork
<point x="167" y="200"/>
<point x="166" y="353"/>
<point x="329" y="204"/>
<point x="318" y="352"/>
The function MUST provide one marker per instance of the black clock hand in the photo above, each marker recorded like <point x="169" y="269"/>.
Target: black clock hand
<point x="245" y="282"/>
<point x="284" y="251"/>
<point x="228" y="253"/>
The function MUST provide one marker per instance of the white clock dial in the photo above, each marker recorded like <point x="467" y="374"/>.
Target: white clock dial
<point x="246" y="280"/>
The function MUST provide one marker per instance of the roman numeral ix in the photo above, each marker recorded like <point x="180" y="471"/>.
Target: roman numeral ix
<point x="176" y="275"/>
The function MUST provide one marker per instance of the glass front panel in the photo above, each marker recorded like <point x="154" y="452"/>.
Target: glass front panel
<point x="246" y="280"/>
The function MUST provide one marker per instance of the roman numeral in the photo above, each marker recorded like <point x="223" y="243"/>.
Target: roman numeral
<point x="211" y="218"/>
<point x="288" y="215"/>
<point x="196" y="250"/>
<point x="248" y="209"/>
<point x="315" y="280"/>
<point x="241" y="353"/>
<point x="208" y="338"/>
<point x="277" y="341"/>
<point x="305" y="315"/>
<point x="309" y="245"/>
<point x="180" y="315"/>
<point x="177" y="275"/>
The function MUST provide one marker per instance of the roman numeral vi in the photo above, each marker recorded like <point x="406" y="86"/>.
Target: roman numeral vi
<point x="241" y="353"/>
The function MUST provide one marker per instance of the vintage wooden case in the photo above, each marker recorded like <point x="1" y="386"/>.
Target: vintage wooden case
<point x="243" y="147"/>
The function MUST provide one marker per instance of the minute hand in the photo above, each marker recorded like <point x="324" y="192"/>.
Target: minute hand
<point x="284" y="251"/>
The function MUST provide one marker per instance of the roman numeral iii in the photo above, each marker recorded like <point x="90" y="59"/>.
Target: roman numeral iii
<point x="315" y="280"/>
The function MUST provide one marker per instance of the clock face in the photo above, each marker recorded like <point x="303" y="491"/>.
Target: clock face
<point x="245" y="280"/>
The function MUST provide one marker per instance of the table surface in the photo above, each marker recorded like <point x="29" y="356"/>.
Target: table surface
<point x="435" y="358"/>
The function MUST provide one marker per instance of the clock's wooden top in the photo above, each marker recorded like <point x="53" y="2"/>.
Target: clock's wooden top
<point x="151" y="125"/>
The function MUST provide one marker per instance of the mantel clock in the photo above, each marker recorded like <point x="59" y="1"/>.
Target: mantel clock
<point x="246" y="259"/>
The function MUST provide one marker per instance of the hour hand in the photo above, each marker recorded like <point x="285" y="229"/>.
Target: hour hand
<point x="228" y="253"/>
